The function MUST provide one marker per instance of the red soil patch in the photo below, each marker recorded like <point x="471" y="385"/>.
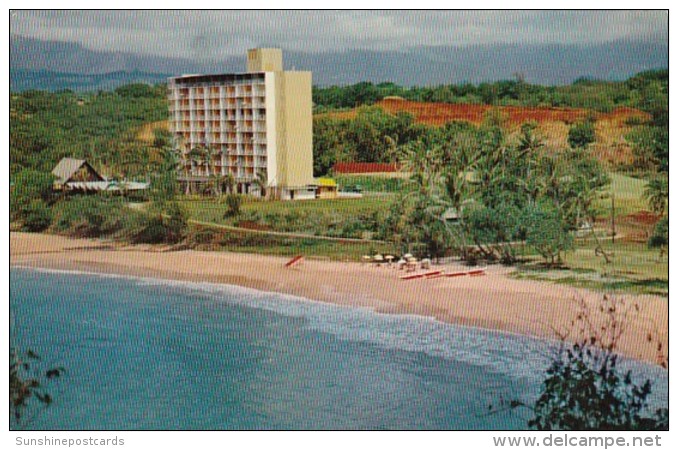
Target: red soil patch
<point x="610" y="147"/>
<point x="441" y="113"/>
<point x="641" y="218"/>
<point x="634" y="227"/>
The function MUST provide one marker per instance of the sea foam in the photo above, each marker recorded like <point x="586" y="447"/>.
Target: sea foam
<point x="510" y="354"/>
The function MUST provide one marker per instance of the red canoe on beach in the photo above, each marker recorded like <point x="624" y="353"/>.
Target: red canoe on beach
<point x="415" y="276"/>
<point x="294" y="261"/>
<point x="473" y="273"/>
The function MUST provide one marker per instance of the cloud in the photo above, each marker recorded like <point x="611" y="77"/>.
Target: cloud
<point x="211" y="35"/>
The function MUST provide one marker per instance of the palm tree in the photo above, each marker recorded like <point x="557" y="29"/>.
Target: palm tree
<point x="657" y="194"/>
<point x="227" y="182"/>
<point x="210" y="153"/>
<point x="183" y="159"/>
<point x="261" y="182"/>
<point x="195" y="159"/>
<point x="391" y="153"/>
<point x="164" y="185"/>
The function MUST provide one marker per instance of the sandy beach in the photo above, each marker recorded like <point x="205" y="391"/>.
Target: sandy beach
<point x="494" y="301"/>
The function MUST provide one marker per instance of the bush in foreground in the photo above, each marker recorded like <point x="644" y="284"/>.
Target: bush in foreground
<point x="585" y="388"/>
<point x="26" y="386"/>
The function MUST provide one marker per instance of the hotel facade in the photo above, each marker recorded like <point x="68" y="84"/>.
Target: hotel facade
<point x="256" y="126"/>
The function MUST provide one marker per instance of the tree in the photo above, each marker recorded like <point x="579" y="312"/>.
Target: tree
<point x="90" y="215"/>
<point x="47" y="126"/>
<point x="584" y="390"/>
<point x="29" y="185"/>
<point x="261" y="182"/>
<point x="660" y="236"/>
<point x="327" y="144"/>
<point x="360" y="94"/>
<point x="644" y="145"/>
<point x="493" y="231"/>
<point x="546" y="232"/>
<point x="581" y="134"/>
<point x="29" y="199"/>
<point x="364" y="138"/>
<point x="571" y="181"/>
<point x="415" y="224"/>
<point x="136" y="90"/>
<point x="657" y="194"/>
<point x="162" y="138"/>
<point x="227" y="183"/>
<point x="233" y="202"/>
<point x="164" y="185"/>
<point x="175" y="222"/>
<point x="427" y="222"/>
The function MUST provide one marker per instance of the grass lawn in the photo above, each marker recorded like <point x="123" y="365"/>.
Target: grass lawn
<point x="628" y="196"/>
<point x="205" y="238"/>
<point x="338" y="218"/>
<point x="634" y="268"/>
<point x="348" y="218"/>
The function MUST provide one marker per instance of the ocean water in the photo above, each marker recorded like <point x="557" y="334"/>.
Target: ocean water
<point x="149" y="354"/>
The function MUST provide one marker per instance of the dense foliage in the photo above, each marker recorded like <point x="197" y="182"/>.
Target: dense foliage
<point x="103" y="216"/>
<point x="586" y="387"/>
<point x="30" y="197"/>
<point x="100" y="127"/>
<point x="584" y="93"/>
<point x="585" y="390"/>
<point x="660" y="235"/>
<point x="233" y="202"/>
<point x="581" y="134"/>
<point x="478" y="192"/>
<point x="158" y="225"/>
<point x="546" y="231"/>
<point x="372" y="136"/>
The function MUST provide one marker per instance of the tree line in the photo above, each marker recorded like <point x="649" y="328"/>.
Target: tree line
<point x="597" y="95"/>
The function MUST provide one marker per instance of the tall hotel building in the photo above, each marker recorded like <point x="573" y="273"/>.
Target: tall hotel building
<point x="253" y="125"/>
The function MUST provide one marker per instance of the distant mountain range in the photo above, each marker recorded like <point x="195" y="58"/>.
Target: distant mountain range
<point x="46" y="80"/>
<point x="53" y="65"/>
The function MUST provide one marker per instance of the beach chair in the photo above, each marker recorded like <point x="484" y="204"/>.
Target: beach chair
<point x="411" y="264"/>
<point x="378" y="259"/>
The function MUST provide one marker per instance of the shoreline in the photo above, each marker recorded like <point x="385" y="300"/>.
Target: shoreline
<point x="492" y="302"/>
